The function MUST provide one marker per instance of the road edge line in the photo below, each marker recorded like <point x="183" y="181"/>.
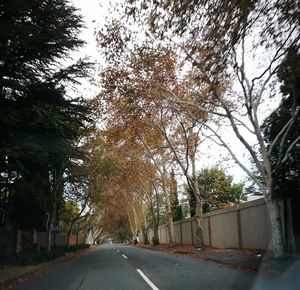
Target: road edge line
<point x="147" y="280"/>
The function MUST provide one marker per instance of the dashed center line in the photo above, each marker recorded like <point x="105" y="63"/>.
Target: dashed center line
<point x="124" y="256"/>
<point x="147" y="280"/>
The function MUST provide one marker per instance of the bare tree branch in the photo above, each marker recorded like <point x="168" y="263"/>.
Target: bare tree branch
<point x="288" y="151"/>
<point x="225" y="145"/>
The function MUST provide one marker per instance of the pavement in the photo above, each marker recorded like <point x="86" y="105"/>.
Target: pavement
<point x="129" y="267"/>
<point x="247" y="260"/>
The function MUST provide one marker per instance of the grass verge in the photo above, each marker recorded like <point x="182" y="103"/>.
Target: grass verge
<point x="7" y="272"/>
<point x="20" y="263"/>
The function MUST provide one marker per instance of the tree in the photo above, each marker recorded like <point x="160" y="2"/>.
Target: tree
<point x="184" y="144"/>
<point x="67" y="215"/>
<point x="39" y="123"/>
<point x="219" y="53"/>
<point x="122" y="180"/>
<point x="286" y="182"/>
<point x="153" y="200"/>
<point x="136" y="83"/>
<point x="176" y="207"/>
<point x="218" y="189"/>
<point x="129" y="93"/>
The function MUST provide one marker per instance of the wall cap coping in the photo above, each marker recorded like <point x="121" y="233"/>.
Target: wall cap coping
<point x="253" y="203"/>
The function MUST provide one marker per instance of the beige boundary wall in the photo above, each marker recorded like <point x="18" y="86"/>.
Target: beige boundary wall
<point x="242" y="226"/>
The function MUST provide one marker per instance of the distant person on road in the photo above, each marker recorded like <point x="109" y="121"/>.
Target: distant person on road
<point x="135" y="240"/>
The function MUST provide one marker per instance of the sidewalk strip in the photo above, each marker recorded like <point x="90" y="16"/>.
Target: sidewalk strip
<point x="124" y="256"/>
<point x="147" y="280"/>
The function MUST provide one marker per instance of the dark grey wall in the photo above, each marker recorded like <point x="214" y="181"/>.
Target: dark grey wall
<point x="7" y="242"/>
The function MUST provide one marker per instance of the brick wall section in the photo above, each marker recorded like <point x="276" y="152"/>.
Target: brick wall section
<point x="242" y="226"/>
<point x="181" y="239"/>
<point x="72" y="240"/>
<point x="27" y="240"/>
<point x="192" y="231"/>
<point x="8" y="240"/>
<point x="209" y="232"/>
<point x="239" y="225"/>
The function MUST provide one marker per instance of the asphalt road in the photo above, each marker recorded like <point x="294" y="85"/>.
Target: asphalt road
<point x="128" y="268"/>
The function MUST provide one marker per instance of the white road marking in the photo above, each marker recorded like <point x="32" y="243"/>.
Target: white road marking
<point x="124" y="256"/>
<point x="147" y="280"/>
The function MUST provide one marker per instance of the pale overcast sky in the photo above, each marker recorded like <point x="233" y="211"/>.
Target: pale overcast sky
<point x="93" y="12"/>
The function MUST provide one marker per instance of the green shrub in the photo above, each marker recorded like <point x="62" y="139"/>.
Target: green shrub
<point x="74" y="248"/>
<point x="31" y="258"/>
<point x="41" y="256"/>
<point x="155" y="241"/>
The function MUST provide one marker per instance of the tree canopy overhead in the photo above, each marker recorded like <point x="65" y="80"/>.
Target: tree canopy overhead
<point x="187" y="74"/>
<point x="235" y="48"/>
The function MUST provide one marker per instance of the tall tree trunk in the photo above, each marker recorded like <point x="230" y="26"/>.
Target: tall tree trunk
<point x="69" y="233"/>
<point x="77" y="234"/>
<point x="155" y="239"/>
<point x="135" y="219"/>
<point x="168" y="205"/>
<point x="49" y="239"/>
<point x="145" y="227"/>
<point x="155" y="216"/>
<point x="199" y="239"/>
<point x="274" y="210"/>
<point x="3" y="209"/>
<point x="170" y="224"/>
<point x="49" y="233"/>
<point x="145" y="235"/>
<point x="130" y="224"/>
<point x="276" y="226"/>
<point x="155" y="222"/>
<point x="5" y="201"/>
